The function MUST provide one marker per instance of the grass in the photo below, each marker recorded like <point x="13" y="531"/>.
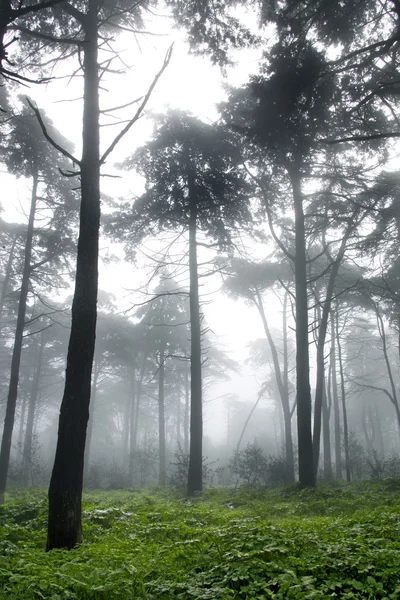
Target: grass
<point x="332" y="542"/>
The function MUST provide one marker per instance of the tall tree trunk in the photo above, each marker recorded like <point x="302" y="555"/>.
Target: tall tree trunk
<point x="379" y="434"/>
<point x="89" y="434"/>
<point x="27" y="453"/>
<point x="21" y="429"/>
<point x="186" y="413"/>
<point x="132" y="417"/>
<point x="65" y="491"/>
<point x="304" y="437"/>
<point x="336" y="408"/>
<point x="195" y="475"/>
<point x="178" y="414"/>
<point x="162" y="473"/>
<point x="382" y="334"/>
<point x="18" y="340"/>
<point x="7" y="275"/>
<point x="282" y="382"/>
<point x="326" y="437"/>
<point x="323" y="327"/>
<point x="364" y="426"/>
<point x="287" y="413"/>
<point x="344" y="407"/>
<point x="126" y="429"/>
<point x="134" y="435"/>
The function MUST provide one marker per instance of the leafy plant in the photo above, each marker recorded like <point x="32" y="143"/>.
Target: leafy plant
<point x="284" y="543"/>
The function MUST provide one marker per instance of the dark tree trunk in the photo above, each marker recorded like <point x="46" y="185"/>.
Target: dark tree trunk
<point x="22" y="421"/>
<point x="7" y="275"/>
<point x="27" y="453"/>
<point x="195" y="476"/>
<point x="89" y="434"/>
<point x="65" y="492"/>
<point x="304" y="437"/>
<point x="326" y="437"/>
<point x="162" y="473"/>
<point x="344" y="408"/>
<point x="336" y="408"/>
<point x="186" y="413"/>
<point x="17" y="349"/>
<point x="5" y="20"/>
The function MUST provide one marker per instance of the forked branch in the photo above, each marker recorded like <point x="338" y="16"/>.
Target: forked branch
<point x="141" y="108"/>
<point x="48" y="136"/>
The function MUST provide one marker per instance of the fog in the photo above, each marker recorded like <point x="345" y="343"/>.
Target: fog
<point x="123" y="428"/>
<point x="247" y="272"/>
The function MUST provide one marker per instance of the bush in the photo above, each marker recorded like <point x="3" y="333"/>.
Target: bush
<point x="252" y="467"/>
<point x="144" y="464"/>
<point x="380" y="468"/>
<point x="180" y="470"/>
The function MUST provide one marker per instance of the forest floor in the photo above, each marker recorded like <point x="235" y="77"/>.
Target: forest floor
<point x="332" y="542"/>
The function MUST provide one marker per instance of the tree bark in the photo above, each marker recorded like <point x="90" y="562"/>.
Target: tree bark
<point x="379" y="434"/>
<point x="7" y="276"/>
<point x="27" y="452"/>
<point x="162" y="473"/>
<point x="132" y="418"/>
<point x="382" y="334"/>
<point x="367" y="436"/>
<point x="65" y="491"/>
<point x="21" y="428"/>
<point x="195" y="475"/>
<point x="89" y="434"/>
<point x="126" y="429"/>
<point x="326" y="437"/>
<point x="344" y="408"/>
<point x="18" y="341"/>
<point x="134" y="435"/>
<point x="305" y="448"/>
<point x="178" y="413"/>
<point x="287" y="412"/>
<point x="323" y="327"/>
<point x="336" y="408"/>
<point x="282" y="382"/>
<point x="186" y="413"/>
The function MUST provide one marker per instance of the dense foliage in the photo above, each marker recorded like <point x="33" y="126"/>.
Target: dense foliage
<point x="333" y="542"/>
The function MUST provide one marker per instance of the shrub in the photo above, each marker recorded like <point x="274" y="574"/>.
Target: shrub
<point x="180" y="470"/>
<point x="250" y="465"/>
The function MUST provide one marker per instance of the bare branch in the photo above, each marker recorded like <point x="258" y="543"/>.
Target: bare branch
<point x="389" y="42"/>
<point x="47" y="136"/>
<point x="74" y="12"/>
<point x="107" y="110"/>
<point x="140" y="108"/>
<point x="19" y="12"/>
<point x="20" y="78"/>
<point x="361" y="138"/>
<point x="44" y="36"/>
<point x="38" y="331"/>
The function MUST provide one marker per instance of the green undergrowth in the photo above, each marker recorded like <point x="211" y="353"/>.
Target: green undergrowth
<point x="332" y="542"/>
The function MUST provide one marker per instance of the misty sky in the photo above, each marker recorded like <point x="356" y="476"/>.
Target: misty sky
<point x="189" y="83"/>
